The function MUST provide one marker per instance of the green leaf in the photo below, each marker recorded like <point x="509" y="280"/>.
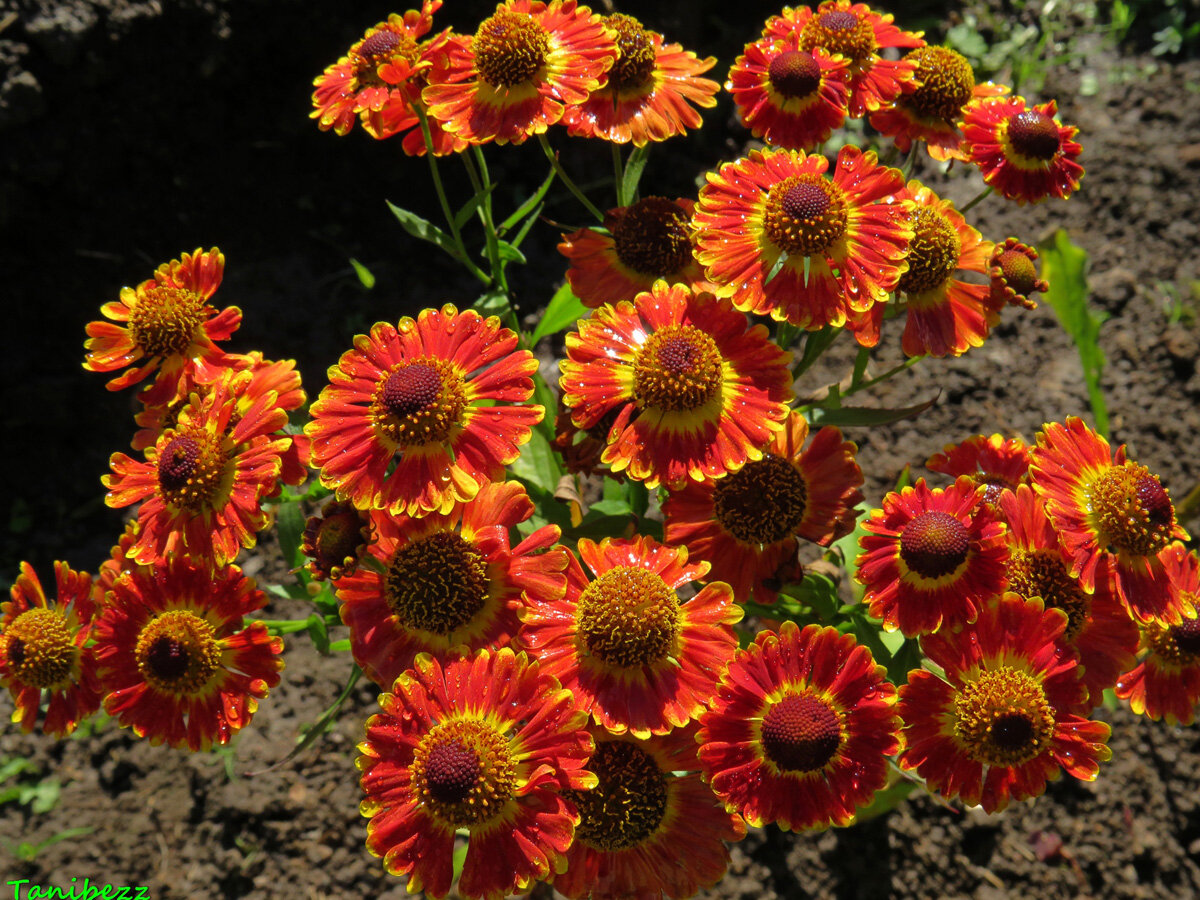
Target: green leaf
<point x="364" y="274"/>
<point x="776" y="268"/>
<point x="491" y="303"/>
<point x="459" y="858"/>
<point x="538" y="464"/>
<point x="845" y="549"/>
<point x="423" y="229"/>
<point x="564" y="309"/>
<point x="611" y="508"/>
<point x="886" y="799"/>
<point x="342" y="646"/>
<point x="289" y="520"/>
<point x="528" y="206"/>
<point x="519" y="237"/>
<point x="1064" y="267"/>
<point x="634" y="166"/>
<point x="819" y="593"/>
<point x="319" y="633"/>
<point x="509" y="254"/>
<point x="468" y="209"/>
<point x="863" y="415"/>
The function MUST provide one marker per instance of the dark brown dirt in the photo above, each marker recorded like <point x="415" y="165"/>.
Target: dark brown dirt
<point x="130" y="136"/>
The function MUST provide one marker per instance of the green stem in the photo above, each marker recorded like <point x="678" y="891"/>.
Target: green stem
<point x="910" y="161"/>
<point x="481" y="181"/>
<point x="871" y="382"/>
<point x="566" y="179"/>
<point x="618" y="173"/>
<point x="978" y="197"/>
<point x="815" y="345"/>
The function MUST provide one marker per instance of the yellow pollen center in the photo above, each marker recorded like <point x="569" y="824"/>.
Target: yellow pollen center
<point x="934" y="544"/>
<point x="805" y="215"/>
<point x="437" y="584"/>
<point x="652" y="237"/>
<point x="628" y="804"/>
<point x="1130" y="510"/>
<point x="1041" y="573"/>
<point x="1003" y="718"/>
<point x="510" y="48"/>
<point x="177" y="652"/>
<point x="801" y="733"/>
<point x="628" y="617"/>
<point x="635" y="54"/>
<point x="763" y="502"/>
<point x="464" y="773"/>
<point x="1018" y="272"/>
<point x="39" y="649"/>
<point x="794" y="73"/>
<point x="165" y="320"/>
<point x="192" y="468"/>
<point x="679" y="369"/>
<point x="840" y="31"/>
<point x="420" y="401"/>
<point x="1033" y="134"/>
<point x="933" y="252"/>
<point x="946" y="82"/>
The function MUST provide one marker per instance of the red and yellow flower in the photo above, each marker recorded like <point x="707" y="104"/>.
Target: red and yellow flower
<point x="800" y="730"/>
<point x="932" y="111"/>
<point x="931" y="558"/>
<point x="651" y="827"/>
<point x="201" y="485"/>
<point x="650" y="93"/>
<point x="526" y="63"/>
<point x="1006" y="718"/>
<point x="747" y="524"/>
<point x="994" y="463"/>
<point x="858" y="33"/>
<point x="177" y="660"/>
<point x="448" y="583"/>
<point x="1166" y="683"/>
<point x="646" y="241"/>
<point x="1105" y="506"/>
<point x="1023" y="152"/>
<point x="336" y="539"/>
<point x="413" y="395"/>
<point x="165" y="321"/>
<point x="633" y="654"/>
<point x="1098" y="627"/>
<point x="1014" y="275"/>
<point x="43" y="656"/>
<point x="780" y="238"/>
<point x="697" y="390"/>
<point x="487" y="743"/>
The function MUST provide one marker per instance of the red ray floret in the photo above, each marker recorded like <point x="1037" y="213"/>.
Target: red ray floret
<point x="634" y="655"/>
<point x="177" y="660"/>
<point x="43" y="652"/>
<point x="747" y="524"/>
<point x="650" y="92"/>
<point x="449" y="581"/>
<point x="402" y="426"/>
<point x="1023" y="152"/>
<point x="165" y="321"/>
<point x="1166" y="683"/>
<point x="779" y="238"/>
<point x="1103" y="505"/>
<point x="1006" y="717"/>
<point x="800" y="730"/>
<point x="995" y="463"/>
<point x="525" y="64"/>
<point x="931" y="557"/>
<point x="696" y="390"/>
<point x="486" y="743"/>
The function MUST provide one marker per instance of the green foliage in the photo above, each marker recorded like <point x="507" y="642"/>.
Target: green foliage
<point x="23" y="783"/>
<point x="564" y="310"/>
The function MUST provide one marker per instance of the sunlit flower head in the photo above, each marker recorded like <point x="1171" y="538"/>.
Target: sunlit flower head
<point x="633" y="654"/>
<point x="525" y="64"/>
<point x="487" y="743"/>
<point x="1006" y="718"/>
<point x="165" y="321"/>
<point x="651" y="93"/>
<point x="931" y="558"/>
<point x="800" y="730"/>
<point x="1023" y="152"/>
<point x="747" y="525"/>
<point x="646" y="241"/>
<point x="336" y="539"/>
<point x="697" y="390"/>
<point x="651" y="827"/>
<point x="1103" y="505"/>
<point x="43" y="657"/>
<point x="178" y="662"/>
<point x="933" y="110"/>
<point x="1166" y="683"/>
<point x="448" y="583"/>
<point x="858" y="33"/>
<point x="996" y="463"/>
<point x="402" y="425"/>
<point x="780" y="238"/>
<point x="1098" y="627"/>
<point x="1014" y="275"/>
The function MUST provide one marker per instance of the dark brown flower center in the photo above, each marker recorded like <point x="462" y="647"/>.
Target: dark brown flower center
<point x="933" y="252"/>
<point x="1018" y="272"/>
<point x="1130" y="510"/>
<point x="763" y="502"/>
<point x="39" y="648"/>
<point x="840" y="31"/>
<point x="635" y="54"/>
<point x="463" y="772"/>
<point x="1003" y="718"/>
<point x="1041" y="573"/>
<point x="678" y="369"/>
<point x="334" y="539"/>
<point x="794" y="73"/>
<point x="436" y="584"/>
<point x="177" y="652"/>
<point x="510" y="48"/>
<point x="165" y="320"/>
<point x="1187" y="637"/>
<point x="934" y="544"/>
<point x="801" y="733"/>
<point x="191" y="470"/>
<point x="451" y="772"/>
<point x="805" y="215"/>
<point x="419" y="402"/>
<point x="628" y="804"/>
<point x="945" y="82"/>
<point x="628" y="617"/>
<point x="651" y="237"/>
<point x="1034" y="134"/>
